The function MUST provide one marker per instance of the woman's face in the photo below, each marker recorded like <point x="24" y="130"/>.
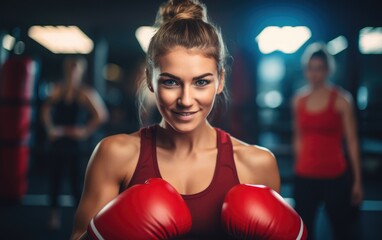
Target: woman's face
<point x="316" y="71"/>
<point x="185" y="84"/>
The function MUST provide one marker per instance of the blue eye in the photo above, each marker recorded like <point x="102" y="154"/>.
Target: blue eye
<point x="169" y="82"/>
<point x="202" y="82"/>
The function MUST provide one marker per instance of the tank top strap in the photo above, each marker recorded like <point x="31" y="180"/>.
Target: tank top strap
<point x="145" y="168"/>
<point x="146" y="133"/>
<point x="225" y="148"/>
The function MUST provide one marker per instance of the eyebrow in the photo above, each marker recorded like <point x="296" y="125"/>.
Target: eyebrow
<point x="178" y="78"/>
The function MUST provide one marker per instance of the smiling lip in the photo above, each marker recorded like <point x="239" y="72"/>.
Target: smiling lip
<point x="184" y="115"/>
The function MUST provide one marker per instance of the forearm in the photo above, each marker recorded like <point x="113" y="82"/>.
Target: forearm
<point x="85" y="236"/>
<point x="79" y="236"/>
<point x="46" y="118"/>
<point x="355" y="161"/>
<point x="81" y="221"/>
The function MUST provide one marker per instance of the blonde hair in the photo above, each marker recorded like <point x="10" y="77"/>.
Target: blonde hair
<point x="184" y="23"/>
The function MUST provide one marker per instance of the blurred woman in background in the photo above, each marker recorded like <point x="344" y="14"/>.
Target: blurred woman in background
<point x="323" y="118"/>
<point x="67" y="127"/>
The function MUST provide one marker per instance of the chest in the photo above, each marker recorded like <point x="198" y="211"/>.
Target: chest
<point x="72" y="112"/>
<point x="317" y="103"/>
<point x="202" y="177"/>
<point x="327" y="121"/>
<point x="189" y="174"/>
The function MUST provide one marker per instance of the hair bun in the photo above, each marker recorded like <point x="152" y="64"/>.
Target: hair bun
<point x="181" y="9"/>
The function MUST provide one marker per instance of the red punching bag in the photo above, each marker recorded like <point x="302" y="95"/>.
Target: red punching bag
<point x="16" y="92"/>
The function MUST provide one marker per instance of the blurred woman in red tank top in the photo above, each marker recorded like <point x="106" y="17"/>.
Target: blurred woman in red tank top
<point x="323" y="118"/>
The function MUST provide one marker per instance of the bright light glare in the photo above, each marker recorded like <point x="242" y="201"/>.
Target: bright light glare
<point x="370" y="40"/>
<point x="62" y="39"/>
<point x="337" y="45"/>
<point x="271" y="69"/>
<point x="144" y="35"/>
<point x="8" y="42"/>
<point x="273" y="99"/>
<point x="286" y="39"/>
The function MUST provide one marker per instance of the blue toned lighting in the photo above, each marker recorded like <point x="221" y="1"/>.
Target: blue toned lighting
<point x="271" y="69"/>
<point x="273" y="99"/>
<point x="286" y="39"/>
<point x="362" y="97"/>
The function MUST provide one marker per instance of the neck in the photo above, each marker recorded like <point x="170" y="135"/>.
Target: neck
<point x="204" y="136"/>
<point x="319" y="87"/>
<point x="71" y="84"/>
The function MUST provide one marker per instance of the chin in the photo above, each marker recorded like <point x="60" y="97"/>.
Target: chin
<point x="183" y="127"/>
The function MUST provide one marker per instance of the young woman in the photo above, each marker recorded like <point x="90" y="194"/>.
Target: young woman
<point x="67" y="127"/>
<point x="324" y="117"/>
<point x="186" y="73"/>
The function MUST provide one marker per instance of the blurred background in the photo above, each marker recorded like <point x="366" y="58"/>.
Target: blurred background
<point x="265" y="40"/>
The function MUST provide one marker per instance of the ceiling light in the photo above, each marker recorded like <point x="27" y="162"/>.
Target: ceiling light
<point x="62" y="39"/>
<point x="370" y="40"/>
<point x="8" y="42"/>
<point x="286" y="39"/>
<point x="337" y="45"/>
<point x="144" y="35"/>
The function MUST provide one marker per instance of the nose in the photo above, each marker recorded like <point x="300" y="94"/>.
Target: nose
<point x="186" y="98"/>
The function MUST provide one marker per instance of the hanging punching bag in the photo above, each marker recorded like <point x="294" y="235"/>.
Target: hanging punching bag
<point x="16" y="92"/>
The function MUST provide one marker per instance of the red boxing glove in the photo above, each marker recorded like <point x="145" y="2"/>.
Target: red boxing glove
<point x="258" y="212"/>
<point x="154" y="210"/>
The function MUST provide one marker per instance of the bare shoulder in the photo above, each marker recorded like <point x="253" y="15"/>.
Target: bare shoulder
<point x="300" y="94"/>
<point x="120" y="144"/>
<point x="255" y="164"/>
<point x="245" y="152"/>
<point x="117" y="155"/>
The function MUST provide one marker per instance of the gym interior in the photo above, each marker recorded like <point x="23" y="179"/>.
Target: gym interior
<point x="264" y="71"/>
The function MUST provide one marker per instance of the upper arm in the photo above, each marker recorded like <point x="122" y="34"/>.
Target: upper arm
<point x="267" y="169"/>
<point x="346" y="108"/>
<point x="95" y="104"/>
<point x="106" y="170"/>
<point x="257" y="165"/>
<point x="54" y="93"/>
<point x="53" y="96"/>
<point x="295" y="130"/>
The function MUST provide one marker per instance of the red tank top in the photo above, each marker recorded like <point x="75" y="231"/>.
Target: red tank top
<point x="321" y="153"/>
<point x="205" y="206"/>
